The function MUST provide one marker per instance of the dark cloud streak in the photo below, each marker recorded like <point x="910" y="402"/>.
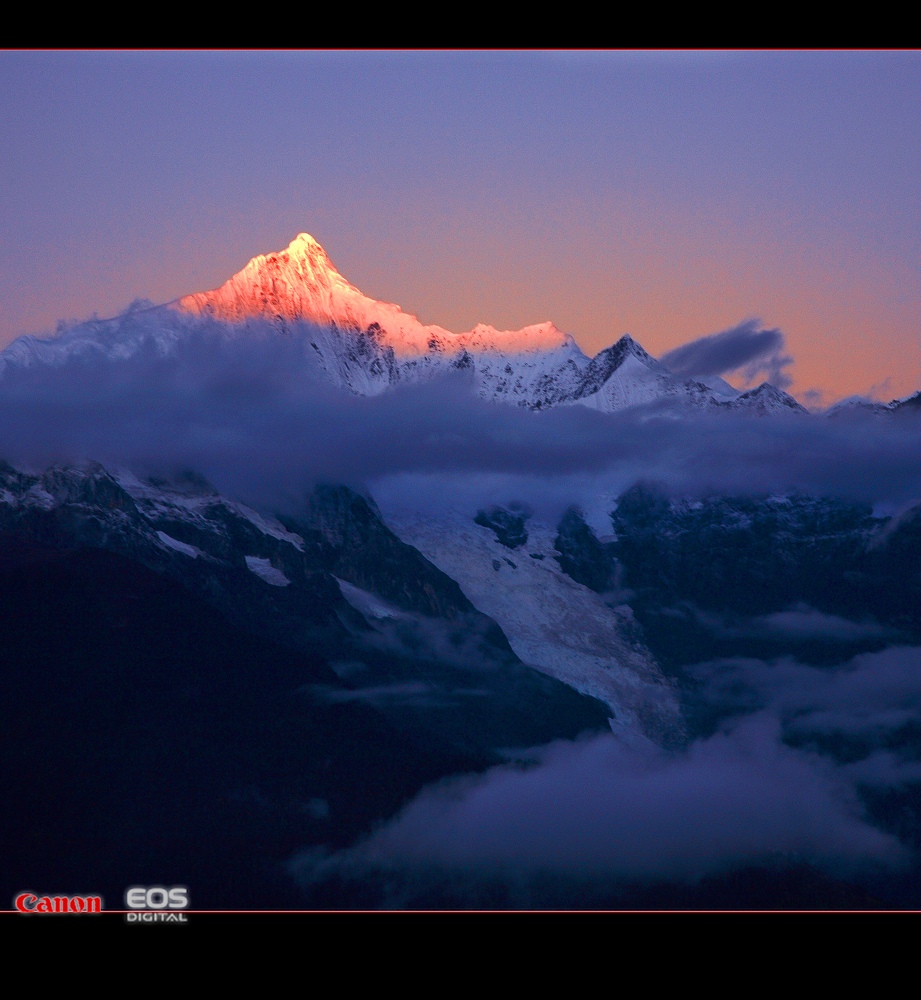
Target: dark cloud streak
<point x="746" y="347"/>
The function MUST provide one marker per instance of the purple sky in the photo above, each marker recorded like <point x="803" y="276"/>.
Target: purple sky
<point x="669" y="195"/>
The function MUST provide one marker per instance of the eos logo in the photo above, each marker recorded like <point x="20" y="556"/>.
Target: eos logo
<point x="150" y="904"/>
<point x="157" y="897"/>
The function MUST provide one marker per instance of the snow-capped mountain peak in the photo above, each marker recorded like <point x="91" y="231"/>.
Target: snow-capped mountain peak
<point x="766" y="399"/>
<point x="301" y="284"/>
<point x="367" y="346"/>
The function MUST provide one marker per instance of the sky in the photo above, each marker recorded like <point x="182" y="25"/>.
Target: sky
<point x="669" y="195"/>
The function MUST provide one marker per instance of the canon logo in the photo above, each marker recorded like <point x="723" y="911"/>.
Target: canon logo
<point x="29" y="902"/>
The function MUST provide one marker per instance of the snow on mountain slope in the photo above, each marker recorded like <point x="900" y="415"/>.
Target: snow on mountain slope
<point x="553" y="623"/>
<point x="637" y="378"/>
<point x="854" y="405"/>
<point x="142" y="325"/>
<point x="195" y="502"/>
<point x="764" y="400"/>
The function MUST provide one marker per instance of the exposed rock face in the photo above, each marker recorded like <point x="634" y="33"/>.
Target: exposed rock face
<point x="807" y="578"/>
<point x="214" y="546"/>
<point x="508" y="525"/>
<point x="159" y="732"/>
<point x="581" y="555"/>
<point x="748" y="554"/>
<point x="360" y="548"/>
<point x="764" y="400"/>
<point x="911" y="404"/>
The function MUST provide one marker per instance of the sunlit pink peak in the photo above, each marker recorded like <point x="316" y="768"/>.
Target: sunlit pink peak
<point x="303" y="257"/>
<point x="304" y="243"/>
<point x="539" y="337"/>
<point x="301" y="283"/>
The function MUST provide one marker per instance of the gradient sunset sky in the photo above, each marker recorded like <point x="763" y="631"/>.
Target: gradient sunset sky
<point x="668" y="195"/>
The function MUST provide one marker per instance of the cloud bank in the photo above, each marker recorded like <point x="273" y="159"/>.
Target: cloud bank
<point x="598" y="808"/>
<point x="762" y="788"/>
<point x="254" y="417"/>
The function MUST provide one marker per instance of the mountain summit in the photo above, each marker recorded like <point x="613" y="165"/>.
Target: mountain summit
<point x="301" y="284"/>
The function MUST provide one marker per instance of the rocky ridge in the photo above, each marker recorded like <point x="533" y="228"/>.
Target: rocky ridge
<point x="368" y="346"/>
